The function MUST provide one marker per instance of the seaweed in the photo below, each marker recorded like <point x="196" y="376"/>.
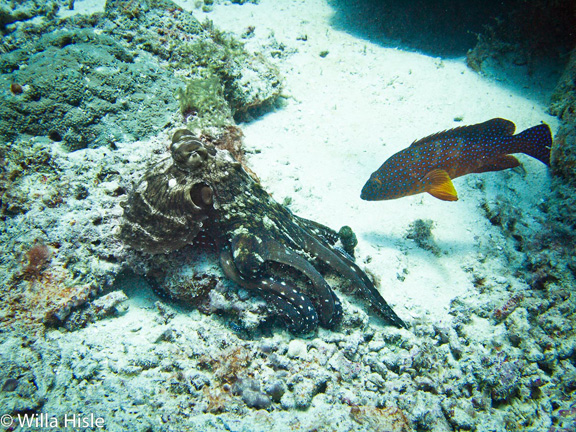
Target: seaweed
<point x="202" y="101"/>
<point x="39" y="257"/>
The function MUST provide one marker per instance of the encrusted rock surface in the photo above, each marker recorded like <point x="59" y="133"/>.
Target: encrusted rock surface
<point x="531" y="40"/>
<point x="87" y="92"/>
<point x="503" y="361"/>
<point x="22" y="10"/>
<point x="92" y="81"/>
<point x="563" y="105"/>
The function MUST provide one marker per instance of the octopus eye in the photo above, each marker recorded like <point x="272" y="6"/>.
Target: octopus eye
<point x="202" y="195"/>
<point x="189" y="153"/>
<point x="207" y="195"/>
<point x="179" y="134"/>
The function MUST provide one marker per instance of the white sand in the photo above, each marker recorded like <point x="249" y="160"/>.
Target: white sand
<point x="85" y="7"/>
<point x="347" y="113"/>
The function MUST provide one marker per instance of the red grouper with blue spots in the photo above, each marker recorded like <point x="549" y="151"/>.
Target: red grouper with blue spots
<point x="430" y="164"/>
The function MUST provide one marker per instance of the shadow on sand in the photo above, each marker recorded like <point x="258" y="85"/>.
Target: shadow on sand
<point x="443" y="28"/>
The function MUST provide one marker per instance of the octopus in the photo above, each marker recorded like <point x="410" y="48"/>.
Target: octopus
<point x="262" y="246"/>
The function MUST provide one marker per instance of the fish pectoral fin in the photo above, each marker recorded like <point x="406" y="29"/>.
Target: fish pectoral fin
<point x="439" y="185"/>
<point x="499" y="163"/>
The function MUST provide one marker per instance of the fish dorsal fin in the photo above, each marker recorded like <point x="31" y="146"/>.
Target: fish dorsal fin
<point x="495" y="127"/>
<point x="439" y="185"/>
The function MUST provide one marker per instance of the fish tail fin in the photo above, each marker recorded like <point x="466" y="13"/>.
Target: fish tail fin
<point x="535" y="142"/>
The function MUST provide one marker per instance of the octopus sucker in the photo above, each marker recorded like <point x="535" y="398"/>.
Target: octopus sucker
<point x="285" y="298"/>
<point x="201" y="191"/>
<point x="330" y="309"/>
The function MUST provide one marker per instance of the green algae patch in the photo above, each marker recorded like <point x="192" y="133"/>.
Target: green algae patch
<point x="202" y="102"/>
<point x="84" y="90"/>
<point x="127" y="74"/>
<point x="249" y="83"/>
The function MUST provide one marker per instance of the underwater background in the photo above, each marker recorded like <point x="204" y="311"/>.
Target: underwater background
<point x="155" y="280"/>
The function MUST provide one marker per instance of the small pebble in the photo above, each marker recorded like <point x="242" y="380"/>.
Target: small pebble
<point x="297" y="349"/>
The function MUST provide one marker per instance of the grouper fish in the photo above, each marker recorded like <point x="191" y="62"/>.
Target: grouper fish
<point x="430" y="164"/>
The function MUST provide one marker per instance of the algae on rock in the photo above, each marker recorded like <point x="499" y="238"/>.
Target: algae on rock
<point x="563" y="105"/>
<point x="24" y="10"/>
<point x="202" y="102"/>
<point x="93" y="81"/>
<point x="84" y="89"/>
<point x="199" y="51"/>
<point x="249" y="82"/>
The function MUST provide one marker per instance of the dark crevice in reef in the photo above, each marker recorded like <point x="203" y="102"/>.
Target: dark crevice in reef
<point x="533" y="38"/>
<point x="449" y="29"/>
<point x="436" y="27"/>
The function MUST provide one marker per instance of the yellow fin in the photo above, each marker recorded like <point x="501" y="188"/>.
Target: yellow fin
<point x="439" y="185"/>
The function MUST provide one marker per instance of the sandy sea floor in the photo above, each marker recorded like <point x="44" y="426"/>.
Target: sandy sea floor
<point x="346" y="113"/>
<point x="348" y="104"/>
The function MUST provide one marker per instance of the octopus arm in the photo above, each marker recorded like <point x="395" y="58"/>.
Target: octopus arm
<point x="201" y="189"/>
<point x="330" y="309"/>
<point x="320" y="230"/>
<point x="250" y="252"/>
<point x="294" y="308"/>
<point x="348" y="269"/>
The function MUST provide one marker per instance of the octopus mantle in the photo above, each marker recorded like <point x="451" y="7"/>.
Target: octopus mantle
<point x="261" y="243"/>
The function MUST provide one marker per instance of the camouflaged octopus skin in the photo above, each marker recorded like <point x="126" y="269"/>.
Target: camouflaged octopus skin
<point x="202" y="188"/>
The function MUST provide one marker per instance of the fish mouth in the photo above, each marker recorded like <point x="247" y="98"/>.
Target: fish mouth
<point x="368" y="193"/>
